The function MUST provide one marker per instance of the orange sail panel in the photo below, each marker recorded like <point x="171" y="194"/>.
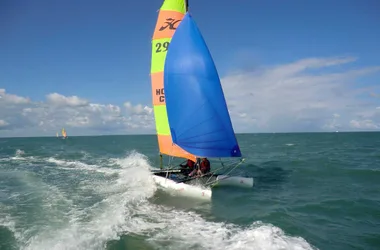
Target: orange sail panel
<point x="64" y="133"/>
<point x="169" y="17"/>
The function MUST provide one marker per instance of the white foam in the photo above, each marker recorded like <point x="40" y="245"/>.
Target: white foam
<point x="19" y="156"/>
<point x="171" y="229"/>
<point x="19" y="152"/>
<point x="124" y="209"/>
<point x="78" y="165"/>
<point x="51" y="203"/>
<point x="8" y="222"/>
<point x="92" y="227"/>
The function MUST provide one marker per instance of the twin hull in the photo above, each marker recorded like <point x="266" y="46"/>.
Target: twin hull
<point x="198" y="191"/>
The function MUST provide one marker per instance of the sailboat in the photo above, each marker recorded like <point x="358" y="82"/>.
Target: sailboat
<point x="64" y="135"/>
<point x="191" y="115"/>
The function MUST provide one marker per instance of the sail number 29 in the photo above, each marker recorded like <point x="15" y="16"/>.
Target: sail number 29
<point x="162" y="47"/>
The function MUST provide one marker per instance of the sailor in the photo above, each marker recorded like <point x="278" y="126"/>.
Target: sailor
<point x="189" y="167"/>
<point x="205" y="166"/>
<point x="202" y="168"/>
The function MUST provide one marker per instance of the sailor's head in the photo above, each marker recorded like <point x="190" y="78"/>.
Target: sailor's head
<point x="204" y="158"/>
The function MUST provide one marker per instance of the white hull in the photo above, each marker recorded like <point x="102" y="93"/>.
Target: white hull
<point x="182" y="188"/>
<point x="201" y="192"/>
<point x="235" y="181"/>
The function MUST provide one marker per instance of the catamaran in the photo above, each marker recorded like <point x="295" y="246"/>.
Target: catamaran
<point x="191" y="115"/>
<point x="64" y="135"/>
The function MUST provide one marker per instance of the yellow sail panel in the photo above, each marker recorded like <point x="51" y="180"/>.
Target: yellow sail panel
<point x="64" y="132"/>
<point x="169" y="17"/>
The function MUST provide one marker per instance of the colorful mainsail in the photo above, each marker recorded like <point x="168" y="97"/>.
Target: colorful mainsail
<point x="169" y="17"/>
<point x="64" y="133"/>
<point x="200" y="125"/>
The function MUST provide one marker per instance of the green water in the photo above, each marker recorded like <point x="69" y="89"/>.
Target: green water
<point x="312" y="191"/>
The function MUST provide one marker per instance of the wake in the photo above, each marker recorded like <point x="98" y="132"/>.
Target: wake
<point x="112" y="199"/>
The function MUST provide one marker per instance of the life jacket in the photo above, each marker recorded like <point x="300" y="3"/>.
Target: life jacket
<point x="205" y="166"/>
<point x="190" y="164"/>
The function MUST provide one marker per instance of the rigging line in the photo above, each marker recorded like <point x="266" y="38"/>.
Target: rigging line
<point x="241" y="162"/>
<point x="211" y="173"/>
<point x="221" y="162"/>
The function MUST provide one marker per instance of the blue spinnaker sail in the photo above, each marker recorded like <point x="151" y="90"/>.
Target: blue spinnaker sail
<point x="197" y="111"/>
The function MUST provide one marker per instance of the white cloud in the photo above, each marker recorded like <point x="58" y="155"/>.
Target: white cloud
<point x="138" y="109"/>
<point x="333" y="123"/>
<point x="60" y="100"/>
<point x="298" y="96"/>
<point x="9" y="99"/>
<point x="293" y="97"/>
<point x="365" y="124"/>
<point x="22" y="117"/>
<point x="3" y="124"/>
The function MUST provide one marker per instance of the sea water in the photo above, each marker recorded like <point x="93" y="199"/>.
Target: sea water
<point x="312" y="191"/>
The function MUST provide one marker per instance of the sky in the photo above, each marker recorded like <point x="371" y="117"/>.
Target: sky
<point x="285" y="66"/>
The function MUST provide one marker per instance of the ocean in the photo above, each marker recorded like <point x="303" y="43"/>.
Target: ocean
<point x="312" y="191"/>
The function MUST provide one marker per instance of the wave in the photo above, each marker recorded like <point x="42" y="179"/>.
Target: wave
<point x="112" y="199"/>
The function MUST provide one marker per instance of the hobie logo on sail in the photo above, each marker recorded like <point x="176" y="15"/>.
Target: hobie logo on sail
<point x="160" y="92"/>
<point x="170" y="22"/>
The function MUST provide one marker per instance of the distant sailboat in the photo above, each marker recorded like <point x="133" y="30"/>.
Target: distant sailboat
<point x="57" y="134"/>
<point x="64" y="135"/>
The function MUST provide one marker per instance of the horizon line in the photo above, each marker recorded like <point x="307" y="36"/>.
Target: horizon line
<point x="242" y="133"/>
